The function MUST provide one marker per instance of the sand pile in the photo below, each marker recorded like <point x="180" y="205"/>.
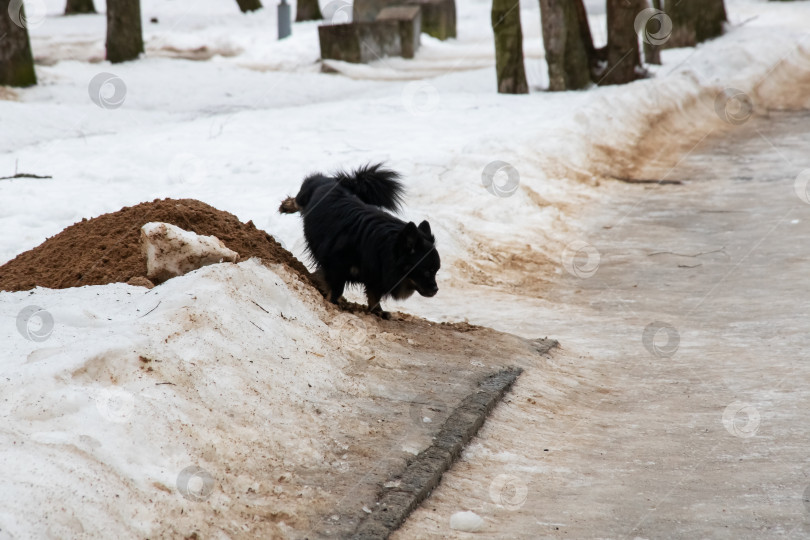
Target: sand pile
<point x="107" y="249"/>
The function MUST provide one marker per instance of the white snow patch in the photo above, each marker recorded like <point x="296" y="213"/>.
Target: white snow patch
<point x="171" y="251"/>
<point x="466" y="522"/>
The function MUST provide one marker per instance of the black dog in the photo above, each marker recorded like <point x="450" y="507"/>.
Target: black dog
<point x="352" y="240"/>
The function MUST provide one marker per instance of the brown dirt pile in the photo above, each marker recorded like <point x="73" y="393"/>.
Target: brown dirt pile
<point x="107" y="249"/>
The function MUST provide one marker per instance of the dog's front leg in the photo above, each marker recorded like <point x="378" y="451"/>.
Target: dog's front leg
<point x="374" y="305"/>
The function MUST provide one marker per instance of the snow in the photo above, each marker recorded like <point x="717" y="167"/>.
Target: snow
<point x="171" y="251"/>
<point x="242" y="137"/>
<point x="466" y="521"/>
<point x="134" y="385"/>
<point x="220" y="111"/>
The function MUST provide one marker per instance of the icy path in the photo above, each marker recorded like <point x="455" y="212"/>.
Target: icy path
<point x="699" y="430"/>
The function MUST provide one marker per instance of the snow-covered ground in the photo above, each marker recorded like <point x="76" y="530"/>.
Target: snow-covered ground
<point x="241" y="136"/>
<point x="84" y="423"/>
<point x="239" y="130"/>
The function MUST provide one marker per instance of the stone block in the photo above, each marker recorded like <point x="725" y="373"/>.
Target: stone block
<point x="438" y="17"/>
<point x="409" y="19"/>
<point x="360" y="42"/>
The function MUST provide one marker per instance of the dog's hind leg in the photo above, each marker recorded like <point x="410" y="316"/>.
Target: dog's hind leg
<point x="319" y="278"/>
<point x="336" y="292"/>
<point x="332" y="286"/>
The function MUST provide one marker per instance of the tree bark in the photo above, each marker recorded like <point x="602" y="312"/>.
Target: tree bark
<point x="308" y="10"/>
<point x="694" y="21"/>
<point x="16" y="60"/>
<point x="570" y="53"/>
<point x="594" y="55"/>
<point x="249" y="5"/>
<point x="623" y="52"/>
<point x="683" y="15"/>
<point x="508" y="47"/>
<point x="124" y="34"/>
<point x="652" y="46"/>
<point x="710" y="22"/>
<point x="75" y="7"/>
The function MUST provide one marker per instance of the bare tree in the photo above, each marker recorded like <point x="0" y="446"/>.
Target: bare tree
<point x="124" y="34"/>
<point x="16" y="60"/>
<point x="76" y="7"/>
<point x="249" y="5"/>
<point x="570" y="53"/>
<point x="683" y="17"/>
<point x="308" y="10"/>
<point x="711" y="20"/>
<point x="654" y="32"/>
<point x="509" y="47"/>
<point x="623" y="52"/>
<point x="694" y="21"/>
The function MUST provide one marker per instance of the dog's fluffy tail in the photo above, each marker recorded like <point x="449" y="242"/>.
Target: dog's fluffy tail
<point x="288" y="206"/>
<point x="374" y="184"/>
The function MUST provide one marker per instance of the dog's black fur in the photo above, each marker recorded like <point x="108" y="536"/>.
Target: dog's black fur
<point x="352" y="240"/>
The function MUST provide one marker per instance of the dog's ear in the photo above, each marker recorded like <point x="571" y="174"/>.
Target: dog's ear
<point x="425" y="228"/>
<point x="408" y="238"/>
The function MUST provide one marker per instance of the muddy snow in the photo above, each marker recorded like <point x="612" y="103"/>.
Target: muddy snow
<point x="230" y="400"/>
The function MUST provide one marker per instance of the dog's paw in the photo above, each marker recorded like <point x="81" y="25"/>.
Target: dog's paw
<point x="383" y="314"/>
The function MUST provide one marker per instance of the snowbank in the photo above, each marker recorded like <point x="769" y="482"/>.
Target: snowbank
<point x="220" y="369"/>
<point x="229" y="401"/>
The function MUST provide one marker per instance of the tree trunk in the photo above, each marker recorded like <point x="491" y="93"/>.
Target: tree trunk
<point x="652" y="53"/>
<point x="653" y="34"/>
<point x="570" y="54"/>
<point x="710" y="22"/>
<point x="16" y="60"/>
<point x="694" y="21"/>
<point x="249" y="5"/>
<point x="75" y="7"/>
<point x="508" y="47"/>
<point x="594" y="55"/>
<point x="124" y="35"/>
<point x="683" y="15"/>
<point x="308" y="10"/>
<point x="623" y="54"/>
